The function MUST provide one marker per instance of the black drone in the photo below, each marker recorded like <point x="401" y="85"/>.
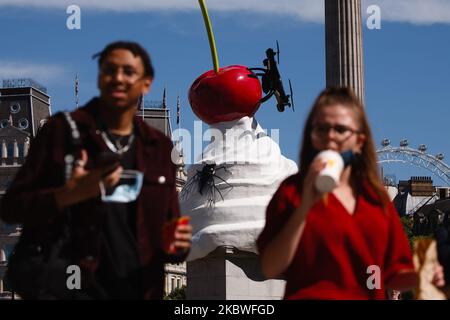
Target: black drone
<point x="271" y="81"/>
<point x="206" y="183"/>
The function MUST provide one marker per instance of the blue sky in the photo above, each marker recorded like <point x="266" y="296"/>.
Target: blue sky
<point x="407" y="62"/>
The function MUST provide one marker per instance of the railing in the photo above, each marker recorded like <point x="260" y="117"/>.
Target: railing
<point x="23" y="83"/>
<point x="421" y="204"/>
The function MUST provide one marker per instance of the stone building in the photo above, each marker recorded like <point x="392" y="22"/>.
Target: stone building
<point x="413" y="194"/>
<point x="24" y="108"/>
<point x="157" y="115"/>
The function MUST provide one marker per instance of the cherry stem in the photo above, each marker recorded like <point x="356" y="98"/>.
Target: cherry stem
<point x="212" y="43"/>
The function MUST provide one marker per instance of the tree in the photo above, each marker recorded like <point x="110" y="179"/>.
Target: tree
<point x="177" y="294"/>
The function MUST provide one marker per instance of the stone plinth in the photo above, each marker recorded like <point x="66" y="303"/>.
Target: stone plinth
<point x="229" y="274"/>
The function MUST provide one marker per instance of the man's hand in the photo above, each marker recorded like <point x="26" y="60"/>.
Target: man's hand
<point x="183" y="238"/>
<point x="177" y="236"/>
<point x="84" y="185"/>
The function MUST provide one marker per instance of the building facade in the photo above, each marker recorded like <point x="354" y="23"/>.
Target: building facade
<point x="24" y="108"/>
<point x="421" y="202"/>
<point x="157" y="115"/>
<point x="414" y="194"/>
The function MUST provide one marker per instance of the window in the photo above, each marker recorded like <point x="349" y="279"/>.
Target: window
<point x="23" y="123"/>
<point x="4" y="123"/>
<point x="5" y="183"/>
<point x="8" y="249"/>
<point x="21" y="149"/>
<point x="10" y="148"/>
<point x="15" y="107"/>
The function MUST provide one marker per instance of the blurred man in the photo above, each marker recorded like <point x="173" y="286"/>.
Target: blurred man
<point x="100" y="183"/>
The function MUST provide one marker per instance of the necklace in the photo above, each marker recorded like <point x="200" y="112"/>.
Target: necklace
<point x="117" y="146"/>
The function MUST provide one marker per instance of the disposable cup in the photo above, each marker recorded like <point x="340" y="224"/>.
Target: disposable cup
<point x="328" y="177"/>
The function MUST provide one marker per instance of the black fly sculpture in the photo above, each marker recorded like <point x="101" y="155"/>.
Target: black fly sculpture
<point x="206" y="184"/>
<point x="271" y="81"/>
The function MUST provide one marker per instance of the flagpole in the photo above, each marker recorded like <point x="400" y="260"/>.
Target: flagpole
<point x="178" y="113"/>
<point x="142" y="106"/>
<point x="164" y="105"/>
<point x="179" y="126"/>
<point x="76" y="91"/>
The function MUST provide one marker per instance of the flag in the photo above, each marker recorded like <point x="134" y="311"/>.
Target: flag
<point x="164" y="104"/>
<point x="178" y="110"/>
<point x="141" y="102"/>
<point x="76" y="90"/>
<point x="142" y="106"/>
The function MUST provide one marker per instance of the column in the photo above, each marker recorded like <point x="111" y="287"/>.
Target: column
<point x="15" y="152"/>
<point x="4" y="152"/>
<point x="344" y="48"/>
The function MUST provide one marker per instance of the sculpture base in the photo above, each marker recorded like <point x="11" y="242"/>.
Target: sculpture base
<point x="230" y="274"/>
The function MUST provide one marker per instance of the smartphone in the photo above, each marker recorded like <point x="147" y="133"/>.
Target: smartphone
<point x="108" y="159"/>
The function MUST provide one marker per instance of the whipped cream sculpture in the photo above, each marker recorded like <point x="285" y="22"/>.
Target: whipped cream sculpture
<point x="230" y="186"/>
<point x="227" y="191"/>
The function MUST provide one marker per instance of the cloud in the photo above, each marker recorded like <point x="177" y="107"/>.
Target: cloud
<point x="410" y="11"/>
<point x="306" y="10"/>
<point x="39" y="72"/>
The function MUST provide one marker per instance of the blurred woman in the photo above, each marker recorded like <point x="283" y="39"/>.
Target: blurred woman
<point x="345" y="244"/>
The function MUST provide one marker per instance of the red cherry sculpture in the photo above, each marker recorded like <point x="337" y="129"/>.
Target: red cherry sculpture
<point x="230" y="94"/>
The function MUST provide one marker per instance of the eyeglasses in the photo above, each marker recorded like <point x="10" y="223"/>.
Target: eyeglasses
<point x="342" y="132"/>
<point x="128" y="72"/>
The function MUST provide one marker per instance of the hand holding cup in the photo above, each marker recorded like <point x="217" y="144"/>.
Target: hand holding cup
<point x="328" y="178"/>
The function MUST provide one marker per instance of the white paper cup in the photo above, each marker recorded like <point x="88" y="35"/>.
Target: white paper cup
<point x="328" y="178"/>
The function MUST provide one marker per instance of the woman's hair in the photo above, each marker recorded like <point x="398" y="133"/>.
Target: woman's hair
<point x="364" y="168"/>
